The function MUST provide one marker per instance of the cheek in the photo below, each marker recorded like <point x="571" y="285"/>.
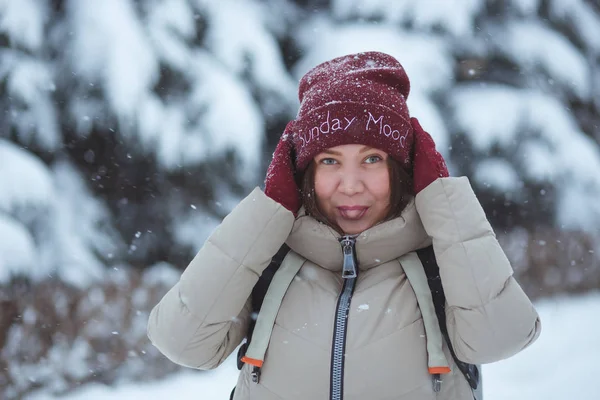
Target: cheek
<point x="325" y="185"/>
<point x="379" y="185"/>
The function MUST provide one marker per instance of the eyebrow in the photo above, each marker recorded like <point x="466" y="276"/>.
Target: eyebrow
<point x="337" y="153"/>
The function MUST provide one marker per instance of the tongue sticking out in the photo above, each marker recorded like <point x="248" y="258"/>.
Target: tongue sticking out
<point x="353" y="214"/>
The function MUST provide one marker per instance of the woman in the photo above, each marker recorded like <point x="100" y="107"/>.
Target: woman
<point x="352" y="169"/>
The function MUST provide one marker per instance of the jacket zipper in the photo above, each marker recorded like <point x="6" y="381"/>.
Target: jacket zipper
<point x="349" y="274"/>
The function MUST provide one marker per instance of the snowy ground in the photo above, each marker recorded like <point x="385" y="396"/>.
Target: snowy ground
<point x="560" y="365"/>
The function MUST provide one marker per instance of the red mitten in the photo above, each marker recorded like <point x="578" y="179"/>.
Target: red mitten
<point x="280" y="184"/>
<point x="428" y="164"/>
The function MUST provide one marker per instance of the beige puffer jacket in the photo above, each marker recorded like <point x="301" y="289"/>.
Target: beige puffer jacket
<point x="204" y="317"/>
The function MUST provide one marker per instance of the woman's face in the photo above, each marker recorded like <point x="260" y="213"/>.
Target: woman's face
<point x="352" y="186"/>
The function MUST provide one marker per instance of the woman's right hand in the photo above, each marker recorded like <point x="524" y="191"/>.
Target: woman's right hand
<point x="280" y="183"/>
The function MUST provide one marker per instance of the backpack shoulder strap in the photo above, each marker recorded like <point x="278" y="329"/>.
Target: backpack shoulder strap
<point x="270" y="307"/>
<point x="437" y="362"/>
<point x="261" y="286"/>
<point x="257" y="296"/>
<point x="432" y="271"/>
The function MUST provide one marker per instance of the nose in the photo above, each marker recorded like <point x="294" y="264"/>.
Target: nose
<point x="351" y="181"/>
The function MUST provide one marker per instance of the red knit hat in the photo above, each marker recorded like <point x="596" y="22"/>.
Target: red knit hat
<point x="354" y="99"/>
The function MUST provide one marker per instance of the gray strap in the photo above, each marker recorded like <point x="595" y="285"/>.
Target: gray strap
<point x="415" y="273"/>
<point x="282" y="279"/>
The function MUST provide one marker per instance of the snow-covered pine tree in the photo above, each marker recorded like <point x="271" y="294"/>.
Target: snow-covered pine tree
<point x="129" y="129"/>
<point x="160" y="106"/>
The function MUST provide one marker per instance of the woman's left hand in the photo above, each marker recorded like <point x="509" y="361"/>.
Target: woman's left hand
<point x="428" y="163"/>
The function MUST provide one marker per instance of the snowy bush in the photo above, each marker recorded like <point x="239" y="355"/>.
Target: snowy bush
<point x="550" y="262"/>
<point x="58" y="336"/>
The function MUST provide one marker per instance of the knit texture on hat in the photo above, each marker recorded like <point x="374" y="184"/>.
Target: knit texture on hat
<point x="354" y="99"/>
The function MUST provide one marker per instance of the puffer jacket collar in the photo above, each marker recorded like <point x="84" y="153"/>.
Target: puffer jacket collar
<point x="379" y="244"/>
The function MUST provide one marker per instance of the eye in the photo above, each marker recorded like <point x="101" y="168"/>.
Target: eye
<point x="328" y="161"/>
<point x="373" y="159"/>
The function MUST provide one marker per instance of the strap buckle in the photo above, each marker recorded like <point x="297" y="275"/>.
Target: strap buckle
<point x="437" y="382"/>
<point x="255" y="374"/>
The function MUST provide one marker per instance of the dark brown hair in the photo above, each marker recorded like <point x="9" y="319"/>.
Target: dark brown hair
<point x="401" y="189"/>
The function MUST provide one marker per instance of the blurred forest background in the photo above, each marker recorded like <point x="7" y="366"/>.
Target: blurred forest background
<point x="129" y="128"/>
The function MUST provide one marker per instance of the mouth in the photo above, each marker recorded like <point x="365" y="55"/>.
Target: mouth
<point x="352" y="212"/>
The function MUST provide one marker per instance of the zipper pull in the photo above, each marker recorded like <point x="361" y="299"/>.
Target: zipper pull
<point x="349" y="266"/>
